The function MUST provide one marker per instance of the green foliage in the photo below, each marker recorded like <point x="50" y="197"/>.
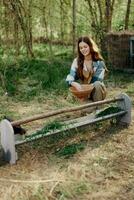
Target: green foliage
<point x="71" y="149"/>
<point x="4" y="111"/>
<point x="52" y="126"/>
<point x="44" y="75"/>
<point x="28" y="78"/>
<point x="118" y="78"/>
<point x="108" y="111"/>
<point x="9" y="77"/>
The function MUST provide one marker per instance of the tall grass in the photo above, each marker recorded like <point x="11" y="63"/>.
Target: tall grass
<point x="25" y="78"/>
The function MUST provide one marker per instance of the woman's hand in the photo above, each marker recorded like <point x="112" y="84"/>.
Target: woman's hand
<point x="76" y="85"/>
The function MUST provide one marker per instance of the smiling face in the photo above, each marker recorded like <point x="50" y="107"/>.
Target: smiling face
<point x="84" y="49"/>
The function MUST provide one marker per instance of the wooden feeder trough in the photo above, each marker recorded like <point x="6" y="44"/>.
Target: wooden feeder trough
<point x="8" y="141"/>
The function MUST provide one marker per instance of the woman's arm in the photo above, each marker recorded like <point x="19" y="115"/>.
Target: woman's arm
<point x="76" y="85"/>
<point x="71" y="77"/>
<point x="99" y="71"/>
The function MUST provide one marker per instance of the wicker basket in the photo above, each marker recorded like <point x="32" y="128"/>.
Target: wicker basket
<point x="84" y="93"/>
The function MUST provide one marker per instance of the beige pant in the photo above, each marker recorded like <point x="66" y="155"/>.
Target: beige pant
<point x="99" y="91"/>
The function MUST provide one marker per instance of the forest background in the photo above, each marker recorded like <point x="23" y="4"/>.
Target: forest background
<point x="34" y="33"/>
<point x="37" y="45"/>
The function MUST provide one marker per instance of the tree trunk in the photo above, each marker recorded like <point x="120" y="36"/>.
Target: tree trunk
<point x="7" y="16"/>
<point x="29" y="24"/>
<point x="93" y="19"/>
<point x="16" y="37"/>
<point x="51" y="29"/>
<point x="127" y="14"/>
<point x="44" y="19"/>
<point x="100" y="11"/>
<point x="61" y="22"/>
<point x="23" y="19"/>
<point x="74" y="26"/>
<point x="109" y="13"/>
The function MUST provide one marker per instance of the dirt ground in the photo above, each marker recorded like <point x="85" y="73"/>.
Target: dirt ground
<point x="103" y="170"/>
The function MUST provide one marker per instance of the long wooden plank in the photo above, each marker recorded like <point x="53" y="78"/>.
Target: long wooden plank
<point x="66" y="110"/>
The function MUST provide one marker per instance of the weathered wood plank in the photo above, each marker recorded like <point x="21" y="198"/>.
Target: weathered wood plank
<point x="61" y="111"/>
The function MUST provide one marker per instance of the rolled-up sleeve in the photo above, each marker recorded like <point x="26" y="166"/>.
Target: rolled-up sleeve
<point x="73" y="71"/>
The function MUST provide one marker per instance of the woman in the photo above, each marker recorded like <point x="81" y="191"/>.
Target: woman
<point x="89" y="68"/>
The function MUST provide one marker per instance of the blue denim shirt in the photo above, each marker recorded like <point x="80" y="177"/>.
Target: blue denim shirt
<point x="98" y="68"/>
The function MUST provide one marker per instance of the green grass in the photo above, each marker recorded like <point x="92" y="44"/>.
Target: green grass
<point x="71" y="149"/>
<point x="108" y="111"/>
<point x="51" y="126"/>
<point x="25" y="79"/>
<point x="119" y="78"/>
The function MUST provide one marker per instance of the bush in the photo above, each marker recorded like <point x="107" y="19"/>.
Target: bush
<point x="29" y="76"/>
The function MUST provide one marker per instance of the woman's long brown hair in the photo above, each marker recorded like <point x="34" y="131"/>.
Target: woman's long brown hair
<point x="94" y="54"/>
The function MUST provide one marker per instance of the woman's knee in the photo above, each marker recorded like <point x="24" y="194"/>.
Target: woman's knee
<point x="97" y="84"/>
<point x="99" y="92"/>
